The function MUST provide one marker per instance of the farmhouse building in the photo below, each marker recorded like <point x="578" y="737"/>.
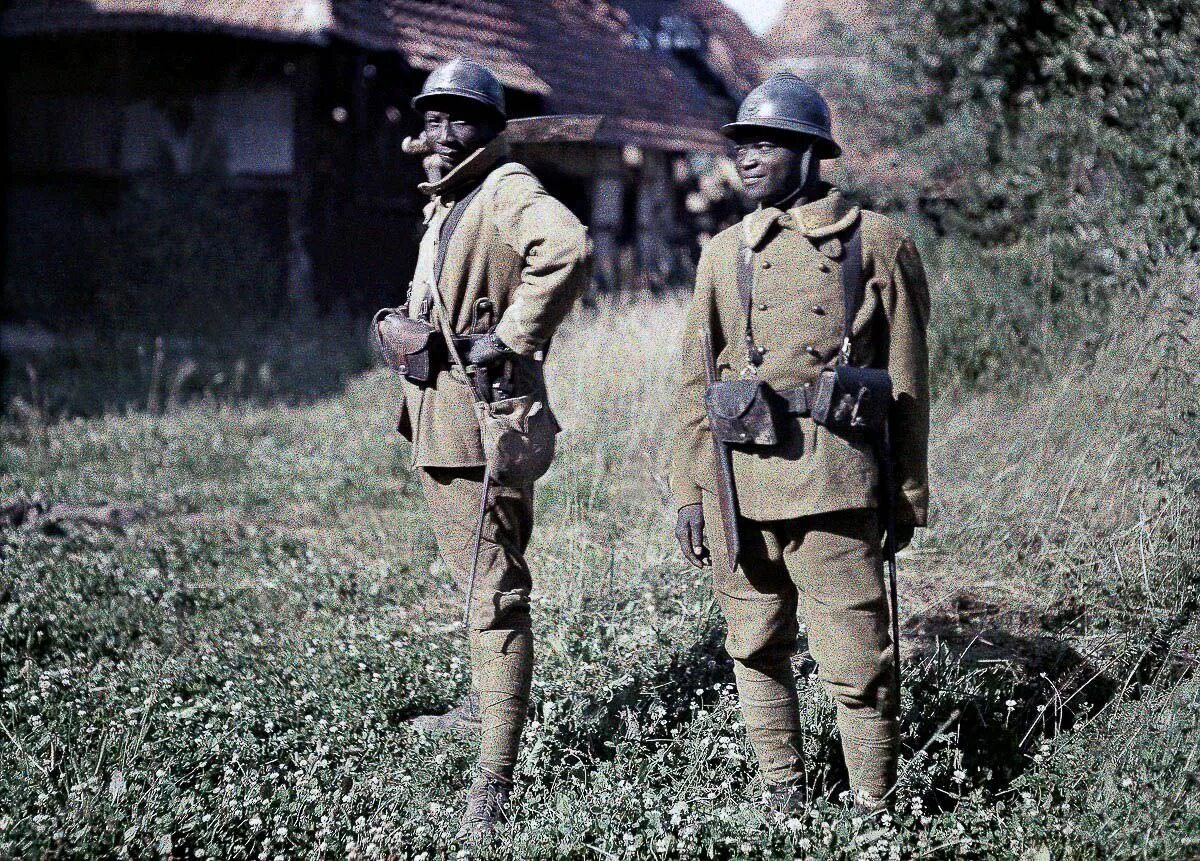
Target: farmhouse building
<point x="299" y="108"/>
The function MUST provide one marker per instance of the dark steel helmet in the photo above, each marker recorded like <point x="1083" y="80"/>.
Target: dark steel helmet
<point x="466" y="79"/>
<point x="785" y="102"/>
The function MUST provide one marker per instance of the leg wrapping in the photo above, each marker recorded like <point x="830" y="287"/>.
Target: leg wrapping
<point x="871" y="746"/>
<point x="772" y="715"/>
<point x="503" y="669"/>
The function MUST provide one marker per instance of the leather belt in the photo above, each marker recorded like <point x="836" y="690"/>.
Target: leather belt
<point x="799" y="401"/>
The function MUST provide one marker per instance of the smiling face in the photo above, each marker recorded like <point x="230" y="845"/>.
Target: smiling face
<point x="457" y="127"/>
<point x="773" y="165"/>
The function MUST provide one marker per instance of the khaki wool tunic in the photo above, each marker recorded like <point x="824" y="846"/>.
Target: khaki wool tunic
<point x="797" y="317"/>
<point x="515" y="245"/>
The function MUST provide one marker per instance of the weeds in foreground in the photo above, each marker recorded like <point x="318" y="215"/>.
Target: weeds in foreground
<point x="231" y="678"/>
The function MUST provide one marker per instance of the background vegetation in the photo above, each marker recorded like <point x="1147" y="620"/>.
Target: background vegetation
<point x="227" y="671"/>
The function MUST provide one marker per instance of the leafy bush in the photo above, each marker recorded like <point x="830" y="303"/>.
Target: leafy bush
<point x="1056" y="144"/>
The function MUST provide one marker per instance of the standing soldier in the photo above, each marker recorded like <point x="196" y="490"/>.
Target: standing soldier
<point x="807" y="482"/>
<point x="502" y="262"/>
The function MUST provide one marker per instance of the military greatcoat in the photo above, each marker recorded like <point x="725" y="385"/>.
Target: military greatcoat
<point x="515" y="245"/>
<point x="797" y="318"/>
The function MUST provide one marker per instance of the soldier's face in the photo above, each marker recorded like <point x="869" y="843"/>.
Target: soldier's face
<point x="457" y="128"/>
<point x="771" y="166"/>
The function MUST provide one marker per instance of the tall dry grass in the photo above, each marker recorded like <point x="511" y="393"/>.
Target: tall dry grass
<point x="233" y="674"/>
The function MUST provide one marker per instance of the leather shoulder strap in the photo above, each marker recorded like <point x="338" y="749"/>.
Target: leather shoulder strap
<point x="443" y="314"/>
<point x="745" y="287"/>
<point x="448" y="228"/>
<point x="852" y="285"/>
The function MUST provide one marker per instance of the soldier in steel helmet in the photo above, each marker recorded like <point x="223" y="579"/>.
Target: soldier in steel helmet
<point x="502" y="262"/>
<point x="809" y="531"/>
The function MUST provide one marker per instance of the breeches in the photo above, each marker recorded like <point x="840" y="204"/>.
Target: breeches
<point x="498" y="624"/>
<point x="502" y="582"/>
<point x="828" y="568"/>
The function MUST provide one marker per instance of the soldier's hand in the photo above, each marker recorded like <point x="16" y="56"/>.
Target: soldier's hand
<point x="904" y="537"/>
<point x="488" y="349"/>
<point x="689" y="532"/>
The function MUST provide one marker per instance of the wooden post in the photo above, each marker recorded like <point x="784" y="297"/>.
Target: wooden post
<point x="300" y="280"/>
<point x="655" y="220"/>
<point x="607" y="198"/>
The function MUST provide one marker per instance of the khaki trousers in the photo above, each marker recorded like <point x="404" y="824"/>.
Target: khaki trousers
<point x="498" y="626"/>
<point x="829" y="569"/>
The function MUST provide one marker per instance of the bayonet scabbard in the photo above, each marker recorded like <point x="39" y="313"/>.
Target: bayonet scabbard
<point x="726" y="489"/>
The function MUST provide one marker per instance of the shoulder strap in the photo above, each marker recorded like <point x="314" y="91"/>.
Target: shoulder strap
<point x="852" y="286"/>
<point x="448" y="228"/>
<point x="443" y="314"/>
<point x="745" y="288"/>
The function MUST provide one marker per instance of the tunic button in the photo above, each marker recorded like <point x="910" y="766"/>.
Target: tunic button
<point x="763" y="306"/>
<point x="766" y="264"/>
<point x="824" y="267"/>
<point x="813" y="351"/>
<point x="818" y="310"/>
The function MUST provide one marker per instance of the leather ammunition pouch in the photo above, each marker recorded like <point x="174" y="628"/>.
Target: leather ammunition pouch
<point x="409" y="347"/>
<point x="846" y="398"/>
<point x="742" y="412"/>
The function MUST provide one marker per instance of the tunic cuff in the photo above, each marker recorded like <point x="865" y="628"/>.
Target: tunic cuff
<point x="685" y="495"/>
<point x="508" y="331"/>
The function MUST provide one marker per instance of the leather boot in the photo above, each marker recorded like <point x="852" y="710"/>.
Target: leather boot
<point x="787" y="797"/>
<point x="463" y="719"/>
<point x="487" y="807"/>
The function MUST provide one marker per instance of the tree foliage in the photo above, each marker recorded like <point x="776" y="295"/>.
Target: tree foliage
<point x="1055" y="144"/>
<point x="1056" y="115"/>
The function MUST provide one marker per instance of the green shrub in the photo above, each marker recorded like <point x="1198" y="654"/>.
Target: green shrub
<point x="1057" y="147"/>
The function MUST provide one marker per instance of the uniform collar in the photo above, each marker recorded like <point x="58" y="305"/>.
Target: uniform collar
<point x="828" y="215"/>
<point x="472" y="170"/>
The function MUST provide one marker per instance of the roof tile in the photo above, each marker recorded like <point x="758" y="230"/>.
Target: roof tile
<point x="577" y="54"/>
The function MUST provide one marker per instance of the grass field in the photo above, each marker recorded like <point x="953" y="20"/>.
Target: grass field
<point x="229" y="676"/>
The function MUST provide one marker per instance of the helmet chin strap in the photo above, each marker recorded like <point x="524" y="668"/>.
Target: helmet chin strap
<point x="807" y="164"/>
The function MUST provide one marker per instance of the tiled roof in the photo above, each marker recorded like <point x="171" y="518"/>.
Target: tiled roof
<point x="429" y="33"/>
<point x="583" y="49"/>
<point x="576" y="54"/>
<point x="272" y="19"/>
